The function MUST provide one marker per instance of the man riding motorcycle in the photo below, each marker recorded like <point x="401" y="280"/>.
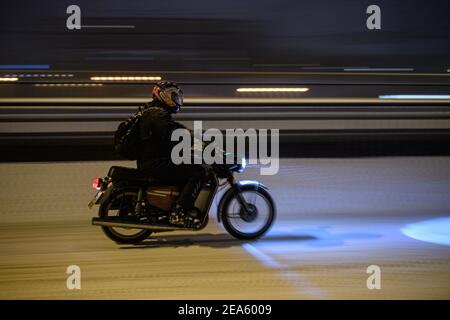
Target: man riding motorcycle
<point x="156" y="127"/>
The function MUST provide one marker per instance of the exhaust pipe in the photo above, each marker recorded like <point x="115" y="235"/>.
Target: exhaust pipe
<point x="112" y="222"/>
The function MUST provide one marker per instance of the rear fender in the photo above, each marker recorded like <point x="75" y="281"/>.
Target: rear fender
<point x="106" y="195"/>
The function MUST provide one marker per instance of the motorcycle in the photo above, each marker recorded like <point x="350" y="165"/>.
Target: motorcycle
<point x="132" y="206"/>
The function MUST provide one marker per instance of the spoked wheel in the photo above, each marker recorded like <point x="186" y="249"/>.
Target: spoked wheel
<point x="122" y="205"/>
<point x="255" y="222"/>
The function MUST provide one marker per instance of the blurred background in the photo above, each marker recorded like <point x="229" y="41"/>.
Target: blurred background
<point x="346" y="84"/>
<point x="201" y="35"/>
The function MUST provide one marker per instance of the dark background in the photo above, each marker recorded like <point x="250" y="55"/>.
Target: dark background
<point x="319" y="35"/>
<point x="212" y="48"/>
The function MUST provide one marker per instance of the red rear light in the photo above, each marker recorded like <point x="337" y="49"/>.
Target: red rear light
<point x="97" y="183"/>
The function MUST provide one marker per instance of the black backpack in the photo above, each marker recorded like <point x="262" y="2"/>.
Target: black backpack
<point x="127" y="139"/>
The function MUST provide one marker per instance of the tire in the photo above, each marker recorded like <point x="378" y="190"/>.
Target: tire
<point x="113" y="233"/>
<point x="226" y="219"/>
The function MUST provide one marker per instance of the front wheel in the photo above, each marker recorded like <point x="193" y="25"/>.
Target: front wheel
<point x="254" y="223"/>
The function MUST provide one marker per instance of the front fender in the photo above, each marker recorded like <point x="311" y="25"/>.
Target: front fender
<point x="250" y="184"/>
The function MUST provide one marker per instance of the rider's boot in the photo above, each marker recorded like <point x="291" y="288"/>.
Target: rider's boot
<point x="185" y="219"/>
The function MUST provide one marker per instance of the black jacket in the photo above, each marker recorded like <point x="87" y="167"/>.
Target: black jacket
<point x="156" y="128"/>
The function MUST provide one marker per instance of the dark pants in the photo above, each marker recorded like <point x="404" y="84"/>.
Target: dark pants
<point x="191" y="176"/>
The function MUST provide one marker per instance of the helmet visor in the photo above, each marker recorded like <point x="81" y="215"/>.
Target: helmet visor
<point x="177" y="97"/>
<point x="172" y="97"/>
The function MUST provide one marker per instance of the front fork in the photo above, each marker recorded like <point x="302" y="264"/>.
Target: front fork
<point x="237" y="192"/>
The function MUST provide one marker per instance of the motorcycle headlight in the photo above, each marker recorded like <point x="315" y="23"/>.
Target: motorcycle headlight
<point x="240" y="167"/>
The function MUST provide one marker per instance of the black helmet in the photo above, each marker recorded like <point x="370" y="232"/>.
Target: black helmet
<point x="170" y="94"/>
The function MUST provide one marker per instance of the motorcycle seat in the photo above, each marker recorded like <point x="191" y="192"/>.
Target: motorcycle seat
<point x="117" y="173"/>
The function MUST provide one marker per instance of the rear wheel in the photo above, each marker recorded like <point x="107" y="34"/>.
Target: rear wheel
<point x="122" y="204"/>
<point x="254" y="223"/>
